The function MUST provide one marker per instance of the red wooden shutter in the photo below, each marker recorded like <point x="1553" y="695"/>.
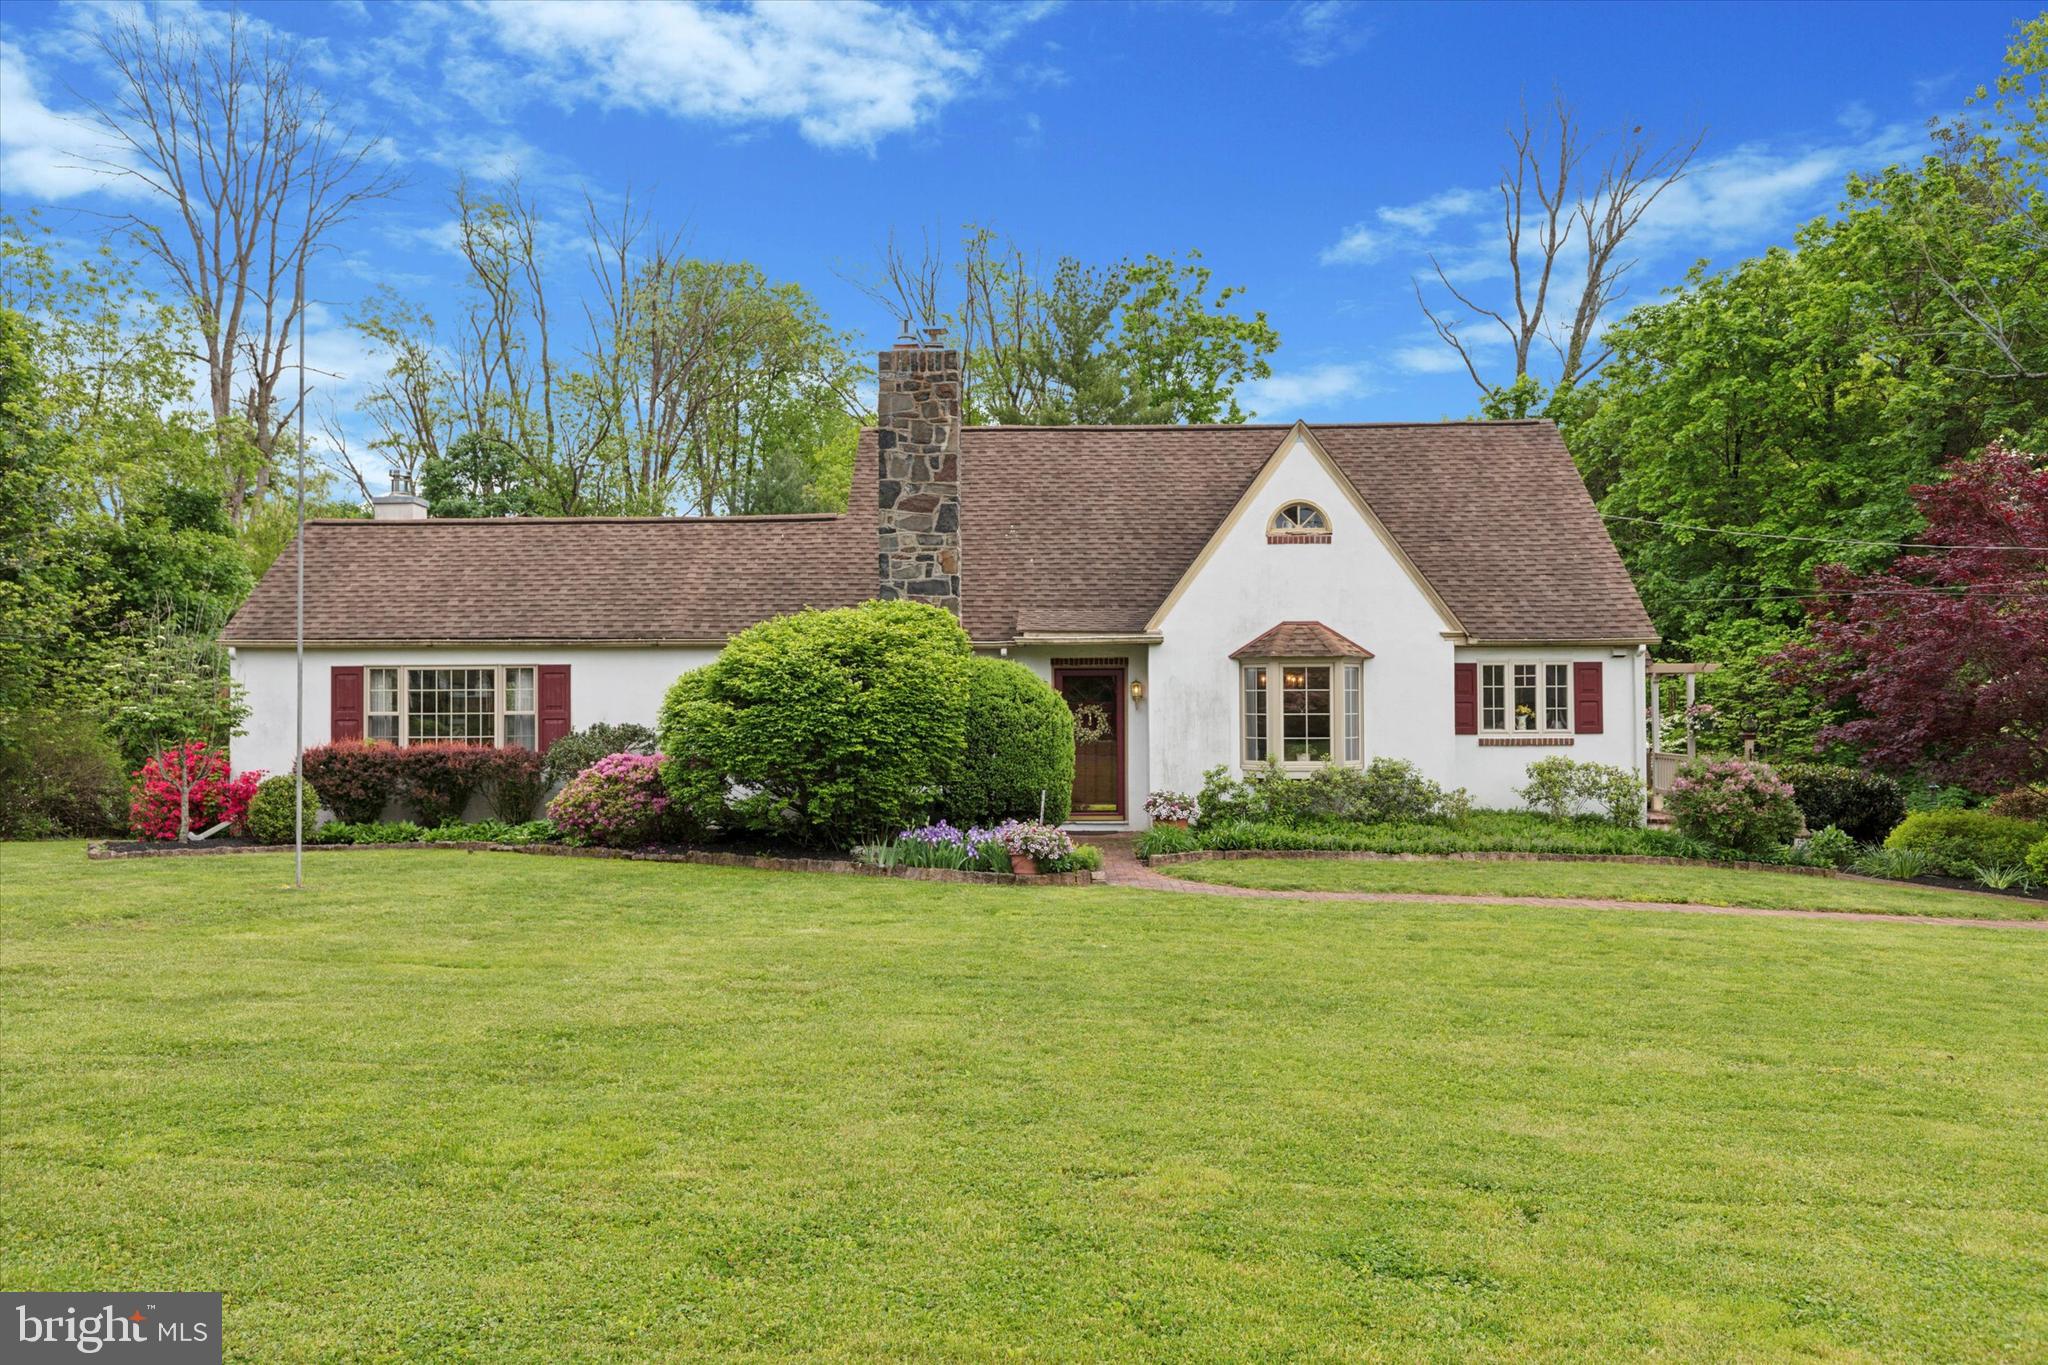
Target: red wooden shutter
<point x="1465" y="698"/>
<point x="553" y="683"/>
<point x="345" y="704"/>
<point x="1586" y="698"/>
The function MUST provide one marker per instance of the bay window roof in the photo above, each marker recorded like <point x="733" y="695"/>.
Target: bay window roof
<point x="1302" y="640"/>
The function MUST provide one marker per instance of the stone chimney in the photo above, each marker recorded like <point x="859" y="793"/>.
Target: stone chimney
<point x="917" y="410"/>
<point x="400" y="504"/>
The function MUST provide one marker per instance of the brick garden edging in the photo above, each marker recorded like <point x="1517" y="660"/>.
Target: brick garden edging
<point x="1208" y="855"/>
<point x="99" y="851"/>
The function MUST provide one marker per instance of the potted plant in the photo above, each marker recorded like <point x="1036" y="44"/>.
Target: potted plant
<point x="1173" y="809"/>
<point x="1031" y="844"/>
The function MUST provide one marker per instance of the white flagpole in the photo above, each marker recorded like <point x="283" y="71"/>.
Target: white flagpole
<point x="299" y="621"/>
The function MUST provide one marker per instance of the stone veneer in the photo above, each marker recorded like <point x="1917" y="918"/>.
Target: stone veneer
<point x="917" y="411"/>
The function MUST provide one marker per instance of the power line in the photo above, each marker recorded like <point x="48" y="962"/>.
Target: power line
<point x="1960" y="590"/>
<point x="1818" y="540"/>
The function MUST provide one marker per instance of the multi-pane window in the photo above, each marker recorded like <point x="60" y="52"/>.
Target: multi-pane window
<point x="1300" y="517"/>
<point x="382" y="710"/>
<point x="1255" y="715"/>
<point x="491" y="706"/>
<point x="1557" y="696"/>
<point x="1525" y="698"/>
<point x="1493" y="697"/>
<point x="1305" y="713"/>
<point x="451" y="704"/>
<point x="1354" y="730"/>
<point x="520" y="728"/>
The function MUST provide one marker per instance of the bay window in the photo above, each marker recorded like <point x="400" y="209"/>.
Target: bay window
<point x="1319" y="705"/>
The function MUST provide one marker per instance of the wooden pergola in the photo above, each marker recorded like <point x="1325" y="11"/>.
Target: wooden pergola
<point x="1691" y="673"/>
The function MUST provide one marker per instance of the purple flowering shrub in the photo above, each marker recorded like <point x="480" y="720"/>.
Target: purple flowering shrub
<point x="617" y="802"/>
<point x="1043" y="843"/>
<point x="1735" y="804"/>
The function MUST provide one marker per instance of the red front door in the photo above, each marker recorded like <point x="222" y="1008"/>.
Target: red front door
<point x="1096" y="697"/>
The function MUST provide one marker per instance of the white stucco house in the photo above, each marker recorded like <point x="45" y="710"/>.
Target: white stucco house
<point x="1439" y="592"/>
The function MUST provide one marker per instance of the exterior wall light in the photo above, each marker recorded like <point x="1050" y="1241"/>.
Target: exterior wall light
<point x="1138" y="690"/>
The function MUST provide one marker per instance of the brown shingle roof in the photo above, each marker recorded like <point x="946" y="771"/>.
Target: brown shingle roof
<point x="1063" y="529"/>
<point x="1301" y="640"/>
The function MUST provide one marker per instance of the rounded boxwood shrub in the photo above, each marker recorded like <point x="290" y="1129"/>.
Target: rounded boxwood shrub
<point x="2037" y="858"/>
<point x="1019" y="744"/>
<point x="617" y="802"/>
<point x="357" y="780"/>
<point x="1956" y="841"/>
<point x="1864" y="806"/>
<point x="1735" y="804"/>
<point x="823" y="726"/>
<point x="269" y="820"/>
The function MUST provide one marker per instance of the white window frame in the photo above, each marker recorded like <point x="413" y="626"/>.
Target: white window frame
<point x="1347" y="727"/>
<point x="1273" y="526"/>
<point x="500" y="702"/>
<point x="1546" y="671"/>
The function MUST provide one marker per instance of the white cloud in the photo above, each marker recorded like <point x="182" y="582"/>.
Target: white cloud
<point x="1286" y="394"/>
<point x="46" y="155"/>
<point x="1359" y="245"/>
<point x="1758" y="191"/>
<point x="846" y="74"/>
<point x="1400" y="225"/>
<point x="1320" y="31"/>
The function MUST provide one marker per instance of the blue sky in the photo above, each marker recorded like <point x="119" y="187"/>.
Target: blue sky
<point x="1315" y="152"/>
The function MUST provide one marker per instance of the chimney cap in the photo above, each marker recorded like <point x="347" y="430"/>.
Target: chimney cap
<point x="934" y="338"/>
<point x="906" y="340"/>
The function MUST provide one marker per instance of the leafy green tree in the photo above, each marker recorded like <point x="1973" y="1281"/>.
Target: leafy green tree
<point x="480" y="476"/>
<point x="174" y="688"/>
<point x="1774" y="417"/>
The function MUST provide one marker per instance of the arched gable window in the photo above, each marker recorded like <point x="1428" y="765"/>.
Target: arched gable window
<point x="1300" y="518"/>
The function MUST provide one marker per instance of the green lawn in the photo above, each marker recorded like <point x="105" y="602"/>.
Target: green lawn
<point x="479" y="1106"/>
<point x="1695" y="885"/>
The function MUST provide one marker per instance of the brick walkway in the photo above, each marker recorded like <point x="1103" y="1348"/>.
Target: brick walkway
<point x="1120" y="867"/>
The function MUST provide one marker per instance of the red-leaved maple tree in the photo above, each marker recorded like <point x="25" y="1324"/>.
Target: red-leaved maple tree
<point x="1944" y="655"/>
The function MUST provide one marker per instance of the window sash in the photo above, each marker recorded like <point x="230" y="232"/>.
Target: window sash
<point x="493" y="705"/>
<point x="1354" y="734"/>
<point x="1525" y="697"/>
<point x="1254" y="708"/>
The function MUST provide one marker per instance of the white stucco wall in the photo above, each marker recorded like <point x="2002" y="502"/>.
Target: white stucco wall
<point x="1359" y="588"/>
<point x="1491" y="773"/>
<point x="612" y="685"/>
<point x="1354" y="585"/>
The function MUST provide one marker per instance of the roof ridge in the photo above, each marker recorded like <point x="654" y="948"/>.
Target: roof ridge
<point x="1266" y="426"/>
<point x="746" y="519"/>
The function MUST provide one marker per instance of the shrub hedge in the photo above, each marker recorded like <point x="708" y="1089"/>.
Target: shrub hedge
<point x="1736" y="804"/>
<point x="513" y="780"/>
<point x="2037" y="858"/>
<point x="1019" y="745"/>
<point x="1865" y="806"/>
<point x="269" y="819"/>
<point x="572" y="753"/>
<point x="823" y="726"/>
<point x="2022" y="803"/>
<point x="1387" y="791"/>
<point x="1956" y="841"/>
<point x="1482" y="831"/>
<point x="357" y="780"/>
<point x="1557" y="787"/>
<point x="59" y="774"/>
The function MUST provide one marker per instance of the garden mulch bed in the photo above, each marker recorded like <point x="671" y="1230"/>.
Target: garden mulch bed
<point x="136" y="848"/>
